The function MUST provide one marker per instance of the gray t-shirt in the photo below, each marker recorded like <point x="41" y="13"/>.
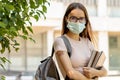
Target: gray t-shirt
<point x="81" y="51"/>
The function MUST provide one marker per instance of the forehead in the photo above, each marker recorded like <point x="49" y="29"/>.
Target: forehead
<point x="77" y="12"/>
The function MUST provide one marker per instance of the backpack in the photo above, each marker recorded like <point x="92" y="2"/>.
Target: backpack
<point x="47" y="70"/>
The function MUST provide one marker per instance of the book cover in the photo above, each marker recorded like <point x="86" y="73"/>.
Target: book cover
<point x="97" y="59"/>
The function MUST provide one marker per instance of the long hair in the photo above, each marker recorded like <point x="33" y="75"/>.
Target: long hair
<point x="87" y="33"/>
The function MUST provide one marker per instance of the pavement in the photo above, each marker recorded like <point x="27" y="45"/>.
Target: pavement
<point x="31" y="78"/>
<point x="110" y="78"/>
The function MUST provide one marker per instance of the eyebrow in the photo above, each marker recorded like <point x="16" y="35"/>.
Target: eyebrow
<point x="71" y="14"/>
<point x="77" y="17"/>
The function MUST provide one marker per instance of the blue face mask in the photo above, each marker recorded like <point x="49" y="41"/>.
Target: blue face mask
<point x="76" y="28"/>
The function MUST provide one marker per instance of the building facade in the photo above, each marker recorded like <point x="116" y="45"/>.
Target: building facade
<point x="104" y="17"/>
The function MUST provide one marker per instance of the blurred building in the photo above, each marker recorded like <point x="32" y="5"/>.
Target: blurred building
<point x="105" y="20"/>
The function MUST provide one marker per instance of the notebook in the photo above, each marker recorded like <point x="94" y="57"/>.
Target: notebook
<point x="97" y="59"/>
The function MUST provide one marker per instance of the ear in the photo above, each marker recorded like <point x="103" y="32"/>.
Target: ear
<point x="66" y="18"/>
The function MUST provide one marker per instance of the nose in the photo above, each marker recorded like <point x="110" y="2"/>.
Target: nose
<point x="78" y="21"/>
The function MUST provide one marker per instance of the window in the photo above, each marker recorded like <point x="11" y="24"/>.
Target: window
<point x="29" y="55"/>
<point x="86" y="2"/>
<point x="113" y="8"/>
<point x="36" y="51"/>
<point x="114" y="51"/>
<point x="113" y="3"/>
<point x="113" y="41"/>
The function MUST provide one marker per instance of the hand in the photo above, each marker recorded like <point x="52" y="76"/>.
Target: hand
<point x="89" y="72"/>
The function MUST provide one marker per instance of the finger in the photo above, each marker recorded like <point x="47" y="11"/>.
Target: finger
<point x="87" y="75"/>
<point x="86" y="68"/>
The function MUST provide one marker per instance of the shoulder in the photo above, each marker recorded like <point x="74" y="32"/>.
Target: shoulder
<point x="59" y="44"/>
<point x="58" y="40"/>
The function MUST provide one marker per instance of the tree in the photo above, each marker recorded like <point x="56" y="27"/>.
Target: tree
<point x="15" y="16"/>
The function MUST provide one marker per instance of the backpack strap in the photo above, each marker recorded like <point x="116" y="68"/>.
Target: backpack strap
<point x="69" y="50"/>
<point x="52" y="51"/>
<point x="67" y="44"/>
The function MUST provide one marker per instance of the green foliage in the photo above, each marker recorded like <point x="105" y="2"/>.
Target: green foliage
<point x="15" y="22"/>
<point x="2" y="77"/>
<point x="3" y="61"/>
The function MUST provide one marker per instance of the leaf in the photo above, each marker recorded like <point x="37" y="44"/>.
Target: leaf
<point x="44" y="8"/>
<point x="9" y="7"/>
<point x="3" y="25"/>
<point x="13" y="33"/>
<point x="9" y="49"/>
<point x="32" y="4"/>
<point x="42" y="14"/>
<point x="38" y="14"/>
<point x="12" y="29"/>
<point x="23" y="36"/>
<point x="38" y="2"/>
<point x="24" y="30"/>
<point x="30" y="23"/>
<point x="2" y="66"/>
<point x="2" y="50"/>
<point x="1" y="38"/>
<point x="3" y="60"/>
<point x="2" y="78"/>
<point x="36" y="17"/>
<point x="6" y="41"/>
<point x="6" y="60"/>
<point x="44" y="1"/>
<point x="30" y="29"/>
<point x="16" y="44"/>
<point x="32" y="39"/>
<point x="5" y="21"/>
<point x="48" y="3"/>
<point x="16" y="49"/>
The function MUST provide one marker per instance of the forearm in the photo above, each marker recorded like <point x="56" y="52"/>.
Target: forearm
<point x="101" y="73"/>
<point x="76" y="75"/>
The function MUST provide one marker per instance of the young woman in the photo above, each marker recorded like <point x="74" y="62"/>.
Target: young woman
<point x="77" y="29"/>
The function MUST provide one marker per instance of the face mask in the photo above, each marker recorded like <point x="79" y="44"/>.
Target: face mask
<point x="76" y="28"/>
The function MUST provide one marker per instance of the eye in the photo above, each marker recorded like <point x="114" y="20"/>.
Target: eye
<point x="82" y="18"/>
<point x="73" y="19"/>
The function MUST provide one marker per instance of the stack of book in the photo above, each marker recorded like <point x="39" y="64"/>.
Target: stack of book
<point x="97" y="59"/>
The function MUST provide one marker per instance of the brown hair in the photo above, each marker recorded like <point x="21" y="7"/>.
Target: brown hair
<point x="87" y="33"/>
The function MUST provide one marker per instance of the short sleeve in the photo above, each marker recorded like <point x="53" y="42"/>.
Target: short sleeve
<point x="59" y="45"/>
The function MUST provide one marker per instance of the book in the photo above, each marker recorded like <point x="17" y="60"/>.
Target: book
<point x="97" y="59"/>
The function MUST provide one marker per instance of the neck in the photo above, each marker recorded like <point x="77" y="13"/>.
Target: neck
<point x="73" y="36"/>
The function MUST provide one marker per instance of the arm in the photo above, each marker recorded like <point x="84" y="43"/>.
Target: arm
<point x="92" y="72"/>
<point x="66" y="64"/>
<point x="102" y="72"/>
